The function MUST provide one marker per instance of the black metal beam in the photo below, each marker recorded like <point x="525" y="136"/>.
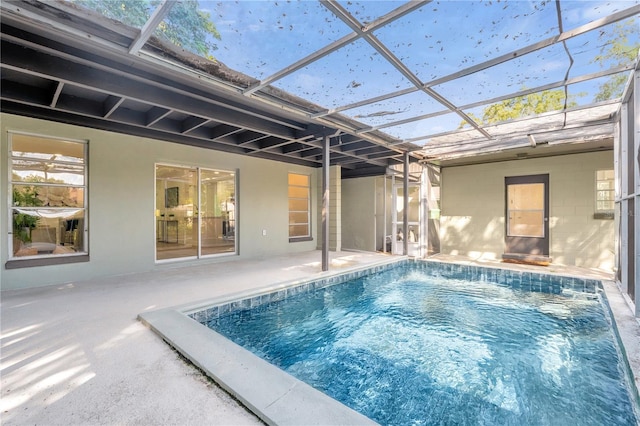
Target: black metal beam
<point x="36" y="63"/>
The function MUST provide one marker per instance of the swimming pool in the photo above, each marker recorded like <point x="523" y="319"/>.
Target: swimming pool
<point x="468" y="368"/>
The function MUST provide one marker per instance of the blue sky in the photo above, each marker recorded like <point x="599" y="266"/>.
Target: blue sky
<point x="260" y="38"/>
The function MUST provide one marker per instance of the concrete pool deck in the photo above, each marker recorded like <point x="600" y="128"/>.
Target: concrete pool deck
<point x="76" y="354"/>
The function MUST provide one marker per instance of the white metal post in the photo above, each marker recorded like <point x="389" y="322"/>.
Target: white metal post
<point x="636" y="187"/>
<point x="325" y="203"/>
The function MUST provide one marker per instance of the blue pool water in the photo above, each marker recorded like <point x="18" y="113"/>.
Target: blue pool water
<point x="403" y="347"/>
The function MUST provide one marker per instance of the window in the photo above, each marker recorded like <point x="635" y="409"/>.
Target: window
<point x="525" y="210"/>
<point x="196" y="212"/>
<point x="605" y="194"/>
<point x="48" y="197"/>
<point x="299" y="206"/>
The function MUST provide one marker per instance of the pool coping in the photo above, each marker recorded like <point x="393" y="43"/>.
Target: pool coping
<point x="277" y="397"/>
<point x="272" y="394"/>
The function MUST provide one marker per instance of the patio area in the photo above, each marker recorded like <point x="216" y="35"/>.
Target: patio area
<point x="75" y="353"/>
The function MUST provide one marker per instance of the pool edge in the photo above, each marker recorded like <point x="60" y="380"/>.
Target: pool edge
<point x="232" y="366"/>
<point x="273" y="395"/>
<point x="261" y="387"/>
<point x="627" y="332"/>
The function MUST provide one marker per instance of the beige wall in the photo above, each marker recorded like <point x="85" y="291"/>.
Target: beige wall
<point x="359" y="214"/>
<point x="384" y="211"/>
<point x="122" y="197"/>
<point x="472" y="222"/>
<point x="335" y="208"/>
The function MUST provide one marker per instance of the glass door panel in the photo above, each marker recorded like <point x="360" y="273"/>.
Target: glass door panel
<point x="217" y="212"/>
<point x="176" y="212"/>
<point x="526" y="210"/>
<point x="413" y="216"/>
<point x="527" y="213"/>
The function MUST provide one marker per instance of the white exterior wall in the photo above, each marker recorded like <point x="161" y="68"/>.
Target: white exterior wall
<point x="473" y="210"/>
<point x="359" y="213"/>
<point x="335" y="208"/>
<point x="122" y="196"/>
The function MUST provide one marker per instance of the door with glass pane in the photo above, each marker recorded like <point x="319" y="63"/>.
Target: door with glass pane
<point x="413" y="215"/>
<point x="527" y="215"/>
<point x="195" y="212"/>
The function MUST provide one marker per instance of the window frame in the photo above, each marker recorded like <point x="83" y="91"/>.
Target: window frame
<point x="604" y="213"/>
<point x="15" y="262"/>
<point x="198" y="211"/>
<point x="308" y="236"/>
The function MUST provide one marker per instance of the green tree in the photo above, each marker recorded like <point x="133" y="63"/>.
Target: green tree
<point x="617" y="50"/>
<point x="23" y="223"/>
<point x="185" y="25"/>
<point x="522" y="106"/>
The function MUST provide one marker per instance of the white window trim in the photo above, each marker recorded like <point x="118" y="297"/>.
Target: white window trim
<point x="15" y="262"/>
<point x="199" y="169"/>
<point x="603" y="213"/>
<point x="309" y="236"/>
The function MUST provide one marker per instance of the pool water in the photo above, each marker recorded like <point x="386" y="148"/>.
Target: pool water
<point x="403" y="347"/>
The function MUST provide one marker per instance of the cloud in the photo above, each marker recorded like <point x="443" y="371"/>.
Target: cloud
<point x="588" y="11"/>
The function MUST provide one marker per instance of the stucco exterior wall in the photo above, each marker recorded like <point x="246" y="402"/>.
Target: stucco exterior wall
<point x="384" y="212"/>
<point x="359" y="214"/>
<point x="122" y="196"/>
<point x="473" y="209"/>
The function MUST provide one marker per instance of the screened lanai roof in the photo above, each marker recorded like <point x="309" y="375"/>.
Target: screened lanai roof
<point x="442" y="80"/>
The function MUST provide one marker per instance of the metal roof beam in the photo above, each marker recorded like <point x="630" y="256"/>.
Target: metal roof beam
<point x="155" y="114"/>
<point x="191" y="123"/>
<point x="615" y="17"/>
<point x="111" y="104"/>
<point x="250" y="137"/>
<point x="35" y="63"/>
<point x="149" y="27"/>
<point x="336" y="45"/>
<point x="536" y="130"/>
<point x="284" y="144"/>
<point x="56" y="94"/>
<point x="381" y="48"/>
<point x="224" y="130"/>
<point x="549" y="86"/>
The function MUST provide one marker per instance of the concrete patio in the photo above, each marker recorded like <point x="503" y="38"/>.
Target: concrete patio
<point x="75" y="353"/>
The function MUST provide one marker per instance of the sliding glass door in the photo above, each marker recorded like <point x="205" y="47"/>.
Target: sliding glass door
<point x="195" y="212"/>
<point x="217" y="212"/>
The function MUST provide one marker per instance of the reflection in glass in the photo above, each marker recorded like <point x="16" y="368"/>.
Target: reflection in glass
<point x="47" y="231"/>
<point x="192" y="224"/>
<point x="176" y="198"/>
<point x="217" y="212"/>
<point x="526" y="210"/>
<point x="412" y="235"/>
<point x="41" y="171"/>
<point x="605" y="190"/>
<point x="47" y="196"/>
<point x="35" y="147"/>
<point x="299" y="205"/>
<point x="413" y="214"/>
